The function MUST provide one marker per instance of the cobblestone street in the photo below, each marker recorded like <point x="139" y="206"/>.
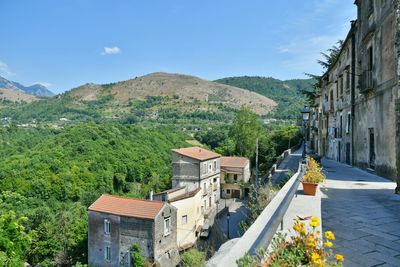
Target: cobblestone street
<point x="363" y="212"/>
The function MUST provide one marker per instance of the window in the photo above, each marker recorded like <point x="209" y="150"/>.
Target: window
<point x="204" y="188"/>
<point x="215" y="165"/>
<point x="107" y="253"/>
<point x="348" y="122"/>
<point x="348" y="79"/>
<point x="204" y="168"/>
<point x="370" y="58"/>
<point x="228" y="191"/>
<point x="340" y="126"/>
<point x="235" y="177"/>
<point x="341" y="85"/>
<point x="184" y="219"/>
<point x="167" y="226"/>
<point x="337" y="90"/>
<point x="107" y="227"/>
<point x="210" y="167"/>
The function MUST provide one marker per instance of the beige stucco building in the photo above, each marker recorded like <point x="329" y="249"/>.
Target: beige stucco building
<point x="190" y="217"/>
<point x="235" y="175"/>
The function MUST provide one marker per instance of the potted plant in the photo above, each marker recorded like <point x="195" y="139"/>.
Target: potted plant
<point x="312" y="178"/>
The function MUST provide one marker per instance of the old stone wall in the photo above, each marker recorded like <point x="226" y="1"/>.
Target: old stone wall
<point x="166" y="251"/>
<point x="375" y="108"/>
<point x="137" y="231"/>
<point x="98" y="240"/>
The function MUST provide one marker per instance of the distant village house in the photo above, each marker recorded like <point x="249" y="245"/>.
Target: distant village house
<point x="235" y="175"/>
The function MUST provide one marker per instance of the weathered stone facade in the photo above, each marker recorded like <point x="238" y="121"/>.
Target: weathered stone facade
<point x="197" y="173"/>
<point x="125" y="231"/>
<point x="358" y="114"/>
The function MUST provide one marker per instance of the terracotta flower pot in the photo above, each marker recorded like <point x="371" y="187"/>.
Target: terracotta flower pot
<point x="309" y="188"/>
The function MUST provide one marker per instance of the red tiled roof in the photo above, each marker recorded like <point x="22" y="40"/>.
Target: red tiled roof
<point x="234" y="162"/>
<point x="197" y="153"/>
<point x="129" y="207"/>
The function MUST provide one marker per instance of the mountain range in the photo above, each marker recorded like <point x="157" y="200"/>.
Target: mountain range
<point x="36" y="89"/>
<point x="161" y="98"/>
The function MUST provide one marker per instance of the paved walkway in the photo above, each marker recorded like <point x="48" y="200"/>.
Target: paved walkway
<point x="289" y="164"/>
<point x="364" y="213"/>
<point x="238" y="213"/>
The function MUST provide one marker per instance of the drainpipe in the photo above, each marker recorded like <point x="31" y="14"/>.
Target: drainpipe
<point x="353" y="87"/>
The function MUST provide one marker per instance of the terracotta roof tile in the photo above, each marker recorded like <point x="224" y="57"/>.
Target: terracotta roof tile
<point x="234" y="162"/>
<point x="197" y="153"/>
<point x="129" y="207"/>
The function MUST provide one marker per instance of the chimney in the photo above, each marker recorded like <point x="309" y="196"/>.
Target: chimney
<point x="151" y="195"/>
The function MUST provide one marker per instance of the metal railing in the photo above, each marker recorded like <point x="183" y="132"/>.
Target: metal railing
<point x="262" y="231"/>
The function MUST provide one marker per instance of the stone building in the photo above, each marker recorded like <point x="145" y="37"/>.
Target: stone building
<point x="197" y="167"/>
<point x="235" y="175"/>
<point x="190" y="218"/>
<point x="116" y="223"/>
<point x="358" y="117"/>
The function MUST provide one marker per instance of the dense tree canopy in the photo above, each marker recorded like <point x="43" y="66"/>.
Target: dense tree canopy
<point x="50" y="177"/>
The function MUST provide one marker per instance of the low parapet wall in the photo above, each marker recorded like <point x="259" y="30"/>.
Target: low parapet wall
<point x="263" y="229"/>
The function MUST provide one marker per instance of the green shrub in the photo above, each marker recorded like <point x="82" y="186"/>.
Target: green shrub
<point x="193" y="258"/>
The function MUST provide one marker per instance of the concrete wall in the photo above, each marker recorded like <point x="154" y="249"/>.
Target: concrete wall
<point x="190" y="207"/>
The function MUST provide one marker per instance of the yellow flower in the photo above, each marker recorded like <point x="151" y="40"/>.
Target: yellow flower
<point x="311" y="244"/>
<point x="328" y="244"/>
<point x="315" y="258"/>
<point x="303" y="231"/>
<point x="318" y="232"/>
<point x="339" y="257"/>
<point x="296" y="227"/>
<point x="329" y="235"/>
<point x="314" y="224"/>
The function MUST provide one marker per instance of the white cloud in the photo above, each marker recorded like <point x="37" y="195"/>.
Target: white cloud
<point x="5" y="70"/>
<point x="302" y="55"/>
<point x="111" y="50"/>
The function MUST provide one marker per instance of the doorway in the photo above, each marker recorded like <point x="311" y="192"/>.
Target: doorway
<point x="371" y="148"/>
<point x="236" y="193"/>
<point x="348" y="148"/>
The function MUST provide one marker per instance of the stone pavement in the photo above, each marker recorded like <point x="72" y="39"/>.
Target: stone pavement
<point x="290" y="163"/>
<point x="238" y="212"/>
<point x="364" y="214"/>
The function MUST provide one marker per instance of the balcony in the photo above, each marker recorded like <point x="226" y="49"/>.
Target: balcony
<point x="366" y="81"/>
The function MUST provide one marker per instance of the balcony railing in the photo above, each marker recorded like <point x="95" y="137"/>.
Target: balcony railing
<point x="366" y="81"/>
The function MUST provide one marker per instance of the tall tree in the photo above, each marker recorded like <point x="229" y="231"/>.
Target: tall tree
<point x="14" y="239"/>
<point x="245" y="130"/>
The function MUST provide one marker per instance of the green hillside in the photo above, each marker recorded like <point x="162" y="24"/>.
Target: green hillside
<point x="51" y="176"/>
<point x="286" y="93"/>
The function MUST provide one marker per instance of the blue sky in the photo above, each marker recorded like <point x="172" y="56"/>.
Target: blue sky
<point x="66" y="43"/>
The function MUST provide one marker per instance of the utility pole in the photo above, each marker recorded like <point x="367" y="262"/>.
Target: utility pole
<point x="257" y="167"/>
